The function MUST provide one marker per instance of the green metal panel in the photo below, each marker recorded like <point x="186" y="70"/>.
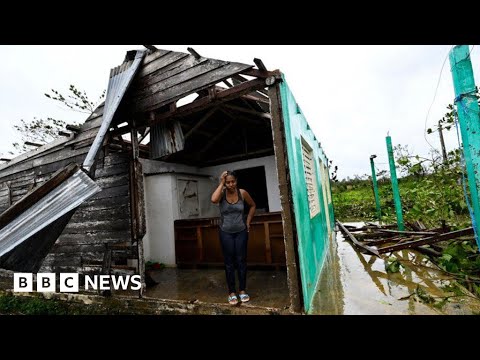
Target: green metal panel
<point x="396" y="192"/>
<point x="313" y="233"/>
<point x="468" y="109"/>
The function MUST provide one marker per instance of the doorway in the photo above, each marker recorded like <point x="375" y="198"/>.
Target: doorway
<point x="254" y="181"/>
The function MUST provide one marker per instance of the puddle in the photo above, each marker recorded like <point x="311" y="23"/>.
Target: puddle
<point x="354" y="283"/>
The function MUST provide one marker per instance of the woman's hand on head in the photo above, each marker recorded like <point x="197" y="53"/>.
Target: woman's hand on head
<point x="223" y="177"/>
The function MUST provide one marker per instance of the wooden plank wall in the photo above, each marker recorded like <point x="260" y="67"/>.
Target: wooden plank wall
<point x="103" y="218"/>
<point x="166" y="76"/>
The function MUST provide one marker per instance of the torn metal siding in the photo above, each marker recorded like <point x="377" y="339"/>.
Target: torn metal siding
<point x="120" y="79"/>
<point x="64" y="198"/>
<point x="167" y="138"/>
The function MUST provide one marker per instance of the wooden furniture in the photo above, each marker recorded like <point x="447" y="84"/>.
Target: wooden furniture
<point x="197" y="241"/>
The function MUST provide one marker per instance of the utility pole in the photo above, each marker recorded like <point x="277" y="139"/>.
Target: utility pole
<point x="468" y="117"/>
<point x="442" y="143"/>
<point x="375" y="188"/>
<point x="396" y="193"/>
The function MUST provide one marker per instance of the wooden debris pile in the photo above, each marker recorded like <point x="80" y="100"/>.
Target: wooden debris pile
<point x="381" y="239"/>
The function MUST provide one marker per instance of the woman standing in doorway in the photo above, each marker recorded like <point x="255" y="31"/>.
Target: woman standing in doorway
<point x="234" y="230"/>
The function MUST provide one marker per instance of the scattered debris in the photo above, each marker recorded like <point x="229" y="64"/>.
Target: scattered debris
<point x="370" y="236"/>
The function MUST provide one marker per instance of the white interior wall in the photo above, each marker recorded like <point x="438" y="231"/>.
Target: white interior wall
<point x="162" y="204"/>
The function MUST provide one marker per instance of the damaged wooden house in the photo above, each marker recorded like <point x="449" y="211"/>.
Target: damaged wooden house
<point x="133" y="183"/>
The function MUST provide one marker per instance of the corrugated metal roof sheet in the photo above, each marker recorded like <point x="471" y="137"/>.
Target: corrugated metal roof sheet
<point x="167" y="138"/>
<point x="120" y="79"/>
<point x="64" y="198"/>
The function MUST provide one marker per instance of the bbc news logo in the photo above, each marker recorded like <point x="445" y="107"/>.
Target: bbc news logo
<point x="46" y="282"/>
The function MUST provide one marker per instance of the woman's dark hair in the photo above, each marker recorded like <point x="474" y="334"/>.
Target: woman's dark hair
<point x="232" y="173"/>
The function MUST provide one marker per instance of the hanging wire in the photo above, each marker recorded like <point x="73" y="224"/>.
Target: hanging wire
<point x="433" y="100"/>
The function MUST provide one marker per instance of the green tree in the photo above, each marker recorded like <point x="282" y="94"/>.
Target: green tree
<point x="42" y="131"/>
<point x="76" y="100"/>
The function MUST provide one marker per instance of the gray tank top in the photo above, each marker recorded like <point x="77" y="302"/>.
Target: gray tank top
<point x="231" y="215"/>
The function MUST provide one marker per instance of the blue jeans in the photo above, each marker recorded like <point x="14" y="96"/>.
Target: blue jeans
<point x="234" y="247"/>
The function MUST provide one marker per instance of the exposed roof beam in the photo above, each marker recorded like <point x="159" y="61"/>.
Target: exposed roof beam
<point x="121" y="131"/>
<point x="248" y="111"/>
<point x="241" y="79"/>
<point x="258" y="152"/>
<point x="64" y="133"/>
<point x="260" y="64"/>
<point x="263" y="74"/>
<point x="237" y="117"/>
<point x="206" y="102"/>
<point x="151" y="48"/>
<point x="216" y="138"/>
<point x="142" y="137"/>
<point x="73" y="128"/>
<point x="29" y="143"/>
<point x="194" y="53"/>
<point x="257" y="98"/>
<point x="198" y="131"/>
<point x="200" y="122"/>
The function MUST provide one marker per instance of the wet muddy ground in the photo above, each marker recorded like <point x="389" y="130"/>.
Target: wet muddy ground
<point x="354" y="283"/>
<point x="267" y="288"/>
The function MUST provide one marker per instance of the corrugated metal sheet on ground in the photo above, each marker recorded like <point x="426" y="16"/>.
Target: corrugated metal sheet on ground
<point x="64" y="198"/>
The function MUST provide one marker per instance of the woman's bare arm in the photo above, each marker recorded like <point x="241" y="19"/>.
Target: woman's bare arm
<point x="251" y="203"/>
<point x="217" y="194"/>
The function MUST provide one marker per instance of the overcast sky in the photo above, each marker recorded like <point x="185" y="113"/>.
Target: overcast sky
<point x="351" y="95"/>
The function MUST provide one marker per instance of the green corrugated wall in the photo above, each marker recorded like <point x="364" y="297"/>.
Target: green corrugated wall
<point x="313" y="233"/>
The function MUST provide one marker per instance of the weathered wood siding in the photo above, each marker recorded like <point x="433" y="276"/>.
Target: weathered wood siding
<point x="103" y="218"/>
<point x="166" y="76"/>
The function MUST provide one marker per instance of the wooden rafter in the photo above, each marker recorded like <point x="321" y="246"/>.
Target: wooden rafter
<point x="261" y="66"/>
<point x="142" y="137"/>
<point x="200" y="122"/>
<point x="64" y="133"/>
<point x="121" y="131"/>
<point x="248" y="111"/>
<point x="73" y="128"/>
<point x="236" y="117"/>
<point x="217" y="137"/>
<point x="194" y="53"/>
<point x="241" y="79"/>
<point x="255" y="97"/>
<point x="262" y="74"/>
<point x="29" y="143"/>
<point x="206" y="102"/>
<point x="236" y="156"/>
<point x="152" y="48"/>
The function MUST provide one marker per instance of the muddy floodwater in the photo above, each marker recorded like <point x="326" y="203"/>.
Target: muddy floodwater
<point x="354" y="283"/>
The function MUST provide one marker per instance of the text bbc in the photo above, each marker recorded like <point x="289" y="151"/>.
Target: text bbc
<point x="46" y="282"/>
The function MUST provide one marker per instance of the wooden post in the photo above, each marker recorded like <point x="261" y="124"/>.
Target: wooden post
<point x="268" y="245"/>
<point x="137" y="205"/>
<point x="442" y="143"/>
<point x="288" y="220"/>
<point x="468" y="118"/>
<point x="375" y="188"/>
<point x="396" y="193"/>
